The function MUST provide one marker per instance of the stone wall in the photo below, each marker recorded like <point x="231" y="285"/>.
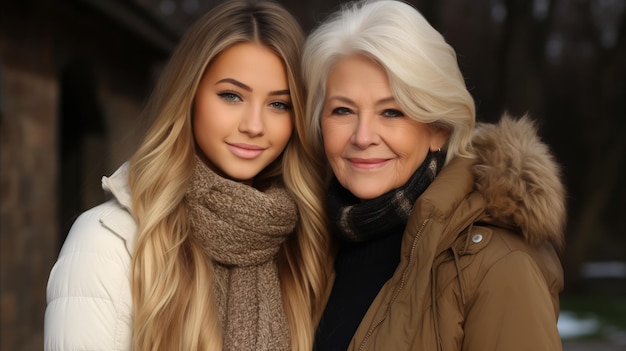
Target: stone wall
<point x="39" y="40"/>
<point x="27" y="204"/>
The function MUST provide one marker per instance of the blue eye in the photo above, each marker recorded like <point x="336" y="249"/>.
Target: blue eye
<point x="392" y="113"/>
<point x="279" y="105"/>
<point x="229" y="97"/>
<point x="342" y="111"/>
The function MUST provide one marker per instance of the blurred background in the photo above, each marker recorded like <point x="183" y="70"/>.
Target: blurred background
<point x="74" y="75"/>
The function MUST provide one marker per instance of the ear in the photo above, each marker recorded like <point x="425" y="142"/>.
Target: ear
<point x="439" y="137"/>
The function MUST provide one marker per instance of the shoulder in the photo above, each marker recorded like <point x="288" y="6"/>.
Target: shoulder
<point x="102" y="229"/>
<point x="520" y="179"/>
<point x="497" y="253"/>
<point x="88" y="292"/>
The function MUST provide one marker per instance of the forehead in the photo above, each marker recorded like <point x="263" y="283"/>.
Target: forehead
<point x="357" y="74"/>
<point x="249" y="61"/>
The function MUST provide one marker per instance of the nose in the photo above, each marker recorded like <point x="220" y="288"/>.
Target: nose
<point x="365" y="131"/>
<point x="251" y="122"/>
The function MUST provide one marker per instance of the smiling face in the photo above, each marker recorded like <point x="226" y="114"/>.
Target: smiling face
<point x="242" y="116"/>
<point x="371" y="145"/>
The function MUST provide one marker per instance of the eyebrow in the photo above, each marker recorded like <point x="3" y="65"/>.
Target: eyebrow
<point x="349" y="101"/>
<point x="248" y="88"/>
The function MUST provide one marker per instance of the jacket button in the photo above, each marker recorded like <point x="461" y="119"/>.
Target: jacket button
<point x="477" y="238"/>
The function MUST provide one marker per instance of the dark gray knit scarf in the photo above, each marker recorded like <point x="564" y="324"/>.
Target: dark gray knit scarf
<point x="241" y="230"/>
<point x="354" y="220"/>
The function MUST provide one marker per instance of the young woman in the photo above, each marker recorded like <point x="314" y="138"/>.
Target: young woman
<point x="447" y="232"/>
<point x="211" y="239"/>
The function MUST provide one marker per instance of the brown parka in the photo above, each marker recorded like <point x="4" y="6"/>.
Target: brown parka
<point x="479" y="268"/>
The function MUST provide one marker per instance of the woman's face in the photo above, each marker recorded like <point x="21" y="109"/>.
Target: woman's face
<point x="242" y="115"/>
<point x="372" y="146"/>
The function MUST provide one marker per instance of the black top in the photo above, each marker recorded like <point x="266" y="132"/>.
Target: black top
<point x="361" y="269"/>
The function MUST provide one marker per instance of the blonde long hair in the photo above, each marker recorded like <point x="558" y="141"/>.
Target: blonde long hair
<point x="172" y="278"/>
<point x="422" y="67"/>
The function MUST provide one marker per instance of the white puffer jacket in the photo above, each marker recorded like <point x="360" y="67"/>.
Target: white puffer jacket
<point x="88" y="294"/>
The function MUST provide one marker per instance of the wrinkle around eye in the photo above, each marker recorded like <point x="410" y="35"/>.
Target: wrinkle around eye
<point x="392" y="113"/>
<point x="341" y="111"/>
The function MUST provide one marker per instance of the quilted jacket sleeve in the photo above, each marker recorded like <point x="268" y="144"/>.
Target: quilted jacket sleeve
<point x="88" y="293"/>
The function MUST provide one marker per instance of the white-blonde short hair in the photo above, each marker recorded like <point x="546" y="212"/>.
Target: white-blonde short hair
<point x="422" y="67"/>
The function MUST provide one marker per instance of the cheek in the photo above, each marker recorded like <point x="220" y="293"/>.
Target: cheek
<point x="412" y="147"/>
<point x="333" y="156"/>
<point x="285" y="122"/>
<point x="283" y="131"/>
<point x="334" y="150"/>
<point x="199" y="123"/>
<point x="415" y="161"/>
<point x="205" y="117"/>
<point x="333" y="141"/>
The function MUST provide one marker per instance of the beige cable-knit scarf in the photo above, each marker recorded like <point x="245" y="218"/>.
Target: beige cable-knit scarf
<point x="241" y="230"/>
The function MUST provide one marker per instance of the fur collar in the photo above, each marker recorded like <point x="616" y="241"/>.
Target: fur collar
<point x="520" y="179"/>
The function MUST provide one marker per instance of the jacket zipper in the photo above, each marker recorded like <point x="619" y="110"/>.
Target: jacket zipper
<point x="395" y="296"/>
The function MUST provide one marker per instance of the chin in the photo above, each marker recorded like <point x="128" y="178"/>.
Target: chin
<point x="368" y="194"/>
<point x="241" y="178"/>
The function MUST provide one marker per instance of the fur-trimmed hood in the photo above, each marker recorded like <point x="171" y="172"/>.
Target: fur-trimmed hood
<point x="520" y="179"/>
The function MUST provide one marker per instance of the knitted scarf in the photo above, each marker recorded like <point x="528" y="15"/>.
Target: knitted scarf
<point x="354" y="220"/>
<point x="241" y="230"/>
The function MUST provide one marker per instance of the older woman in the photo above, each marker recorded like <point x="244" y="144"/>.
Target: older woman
<point x="447" y="232"/>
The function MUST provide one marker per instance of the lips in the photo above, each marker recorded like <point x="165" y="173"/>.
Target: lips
<point x="368" y="163"/>
<point x="245" y="151"/>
